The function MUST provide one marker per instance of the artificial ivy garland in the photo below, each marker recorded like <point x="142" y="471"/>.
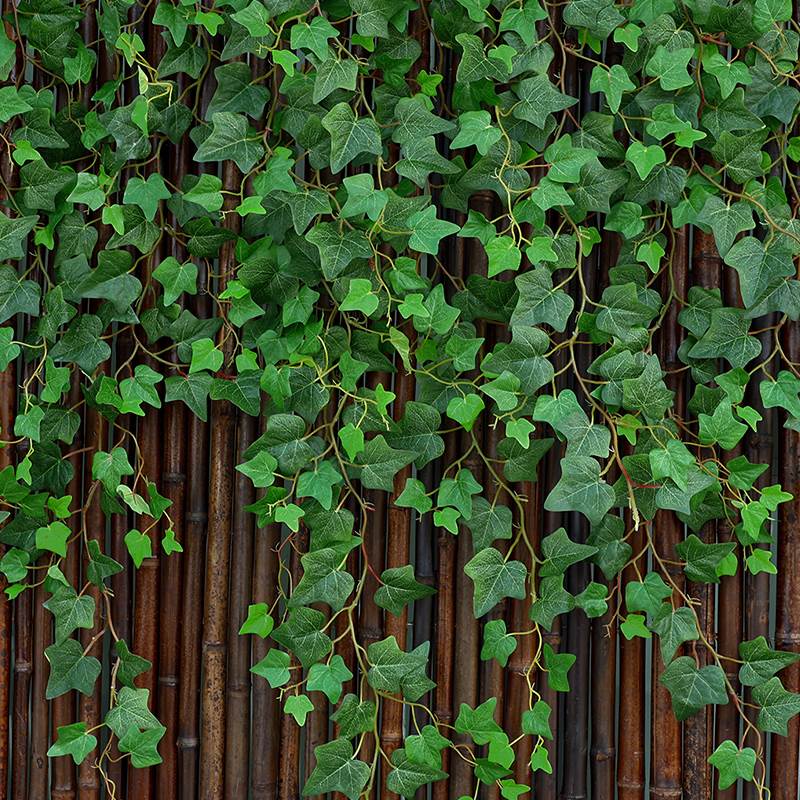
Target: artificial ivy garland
<point x="269" y="216"/>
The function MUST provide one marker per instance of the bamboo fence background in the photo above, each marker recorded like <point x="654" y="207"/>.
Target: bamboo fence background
<point x="614" y="734"/>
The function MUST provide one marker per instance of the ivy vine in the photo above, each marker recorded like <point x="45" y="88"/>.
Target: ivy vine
<point x="276" y="214"/>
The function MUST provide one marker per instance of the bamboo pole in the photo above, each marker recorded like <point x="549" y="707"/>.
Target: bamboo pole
<point x="604" y="640"/>
<point x="759" y="450"/>
<point x="145" y="601"/>
<point x="446" y="563"/>
<point x="193" y="557"/>
<point x="141" y="782"/>
<point x="64" y="708"/>
<point x="173" y="481"/>
<point x="784" y="763"/>
<point x="631" y="741"/>
<point x="492" y="678"/>
<point x="579" y="627"/>
<point x="8" y="409"/>
<point x="194" y="545"/>
<point x="546" y="786"/>
<point x="444" y="630"/>
<point x="29" y="712"/>
<point x="785" y="748"/>
<point x="8" y="399"/>
<point x="42" y="627"/>
<point x="521" y="660"/>
<point x="666" y="730"/>
<point x="400" y="519"/>
<point x="698" y="729"/>
<point x="471" y="260"/>
<point x="317" y="724"/>
<point x="758" y="447"/>
<point x="121" y="584"/>
<point x="21" y="639"/>
<point x="289" y="771"/>
<point x="370" y="617"/>
<point x="223" y="415"/>
<point x="96" y="439"/>
<point x="237" y="738"/>
<point x="266" y="709"/>
<point x="397" y="555"/>
<point x="729" y="633"/>
<point x="22" y="680"/>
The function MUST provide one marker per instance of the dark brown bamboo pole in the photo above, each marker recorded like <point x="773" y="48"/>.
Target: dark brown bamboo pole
<point x="666" y="734"/>
<point x="492" y="679"/>
<point x="289" y="770"/>
<point x="565" y="75"/>
<point x="173" y="481"/>
<point x="444" y="628"/>
<point x="317" y="724"/>
<point x="698" y="729"/>
<point x="472" y="261"/>
<point x="38" y="766"/>
<point x="447" y="582"/>
<point x="397" y="555"/>
<point x="730" y="595"/>
<point x="90" y="711"/>
<point x="22" y="680"/>
<point x="146" y="619"/>
<point x="8" y="399"/>
<point x="546" y="786"/>
<point x="370" y="616"/>
<point x="19" y="652"/>
<point x="579" y="627"/>
<point x="631" y="739"/>
<point x="400" y="519"/>
<point x="141" y="782"/>
<point x="266" y="709"/>
<point x="42" y="625"/>
<point x="466" y="666"/>
<point x="783" y="784"/>
<point x="604" y="692"/>
<point x="604" y="639"/>
<point x="194" y="546"/>
<point x="521" y="660"/>
<point x="237" y="728"/>
<point x="223" y="441"/>
<point x="64" y="708"/>
<point x="177" y="462"/>
<point x="759" y="450"/>
<point x="8" y="407"/>
<point x="443" y="644"/>
<point x="758" y="447"/>
<point x="28" y="631"/>
<point x="424" y="569"/>
<point x="784" y="767"/>
<point x="194" y="555"/>
<point x="121" y="585"/>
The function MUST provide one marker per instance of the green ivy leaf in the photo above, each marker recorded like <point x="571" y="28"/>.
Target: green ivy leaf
<point x="73" y="740"/>
<point x="337" y="770"/>
<point x="299" y="706"/>
<point x="399" y="587"/>
<point x="733" y="763"/>
<point x="494" y="578"/>
<point x="693" y="688"/>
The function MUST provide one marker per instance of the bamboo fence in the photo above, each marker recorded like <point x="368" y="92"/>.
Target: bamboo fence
<point x="614" y="734"/>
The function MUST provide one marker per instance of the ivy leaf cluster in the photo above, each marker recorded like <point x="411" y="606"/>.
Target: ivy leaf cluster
<point x="305" y="266"/>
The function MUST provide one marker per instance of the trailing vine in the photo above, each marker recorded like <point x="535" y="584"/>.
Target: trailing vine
<point x="272" y="219"/>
